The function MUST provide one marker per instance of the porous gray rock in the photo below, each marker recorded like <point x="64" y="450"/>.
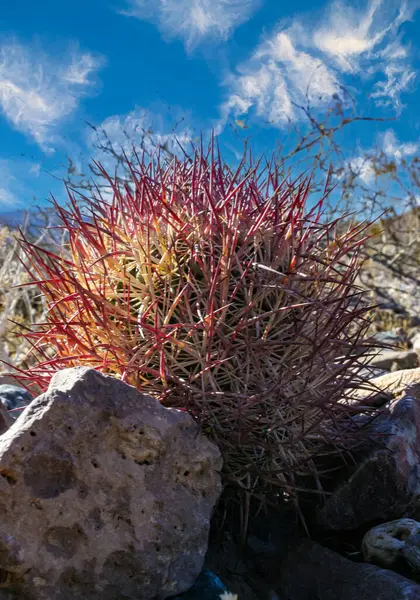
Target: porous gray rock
<point x="104" y="493"/>
<point x="390" y="543"/>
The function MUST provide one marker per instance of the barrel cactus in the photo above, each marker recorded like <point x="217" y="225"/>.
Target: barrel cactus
<point x="221" y="292"/>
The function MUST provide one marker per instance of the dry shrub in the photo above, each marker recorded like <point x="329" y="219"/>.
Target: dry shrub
<point x="20" y="305"/>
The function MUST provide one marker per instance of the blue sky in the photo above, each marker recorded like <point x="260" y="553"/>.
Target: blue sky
<point x="193" y="66"/>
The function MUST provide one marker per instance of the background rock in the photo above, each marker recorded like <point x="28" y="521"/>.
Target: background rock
<point x="415" y="340"/>
<point x="371" y="372"/>
<point x="385" y="544"/>
<point x="14" y="399"/>
<point x="395" y="360"/>
<point x="385" y="484"/>
<point x="396" y="337"/>
<point x="5" y="420"/>
<point x="389" y="386"/>
<point x="104" y="494"/>
<point x="312" y="572"/>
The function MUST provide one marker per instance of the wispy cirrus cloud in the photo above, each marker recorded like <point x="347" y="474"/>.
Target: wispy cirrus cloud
<point x="361" y="167"/>
<point x="389" y="147"/>
<point x="350" y="34"/>
<point x="369" y="42"/>
<point x="195" y="20"/>
<point x="306" y="61"/>
<point x="142" y="129"/>
<point x="38" y="91"/>
<point x="276" y="78"/>
<point x="396" y="149"/>
<point x="398" y="79"/>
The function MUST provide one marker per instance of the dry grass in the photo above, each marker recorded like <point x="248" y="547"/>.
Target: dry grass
<point x="19" y="307"/>
<point x="21" y="304"/>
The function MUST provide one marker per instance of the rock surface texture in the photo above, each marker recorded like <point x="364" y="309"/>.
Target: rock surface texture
<point x="395" y="360"/>
<point x="416" y="342"/>
<point x="386" y="483"/>
<point x="104" y="493"/>
<point x="312" y="572"/>
<point x="393" y="542"/>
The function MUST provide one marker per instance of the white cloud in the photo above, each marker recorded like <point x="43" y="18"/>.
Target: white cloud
<point x="395" y="149"/>
<point x="277" y="77"/>
<point x="388" y="92"/>
<point x="195" y="20"/>
<point x="349" y="33"/>
<point x="35" y="169"/>
<point x="368" y="42"/>
<point x="308" y="76"/>
<point x="80" y="69"/>
<point x="37" y="91"/>
<point x="141" y="129"/>
<point x="395" y="51"/>
<point x="312" y="60"/>
<point x="266" y="90"/>
<point x="363" y="166"/>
